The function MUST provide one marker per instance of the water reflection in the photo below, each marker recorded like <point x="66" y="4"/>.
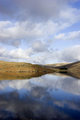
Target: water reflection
<point x="48" y="97"/>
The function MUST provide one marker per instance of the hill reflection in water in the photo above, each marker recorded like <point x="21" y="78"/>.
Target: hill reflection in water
<point x="47" y="97"/>
<point x="29" y="75"/>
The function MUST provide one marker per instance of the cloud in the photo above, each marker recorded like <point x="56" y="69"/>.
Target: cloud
<point x="7" y="35"/>
<point x="75" y="35"/>
<point x="38" y="8"/>
<point x="15" y="54"/>
<point x="34" y="23"/>
<point x="36" y="19"/>
<point x="41" y="54"/>
<point x="40" y="46"/>
<point x="20" y="53"/>
<point x="71" y="54"/>
<point x="12" y="34"/>
<point x="3" y="52"/>
<point x="68" y="13"/>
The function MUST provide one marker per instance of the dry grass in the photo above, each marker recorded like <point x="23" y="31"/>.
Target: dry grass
<point x="20" y="66"/>
<point x="73" y="69"/>
<point x="56" y="65"/>
<point x="21" y="70"/>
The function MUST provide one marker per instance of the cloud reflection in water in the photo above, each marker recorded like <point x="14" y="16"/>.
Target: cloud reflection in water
<point x="47" y="97"/>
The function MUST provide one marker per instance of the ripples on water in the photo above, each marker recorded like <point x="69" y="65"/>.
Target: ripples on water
<point x="48" y="97"/>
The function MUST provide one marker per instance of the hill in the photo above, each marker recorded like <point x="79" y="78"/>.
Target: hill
<point x="20" y="70"/>
<point x="73" y="69"/>
<point x="21" y="66"/>
<point x="69" y="66"/>
<point x="55" y="65"/>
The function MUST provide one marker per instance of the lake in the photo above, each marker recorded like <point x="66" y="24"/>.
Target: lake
<point x="49" y="97"/>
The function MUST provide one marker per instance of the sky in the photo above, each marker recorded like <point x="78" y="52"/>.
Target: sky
<point x="40" y="31"/>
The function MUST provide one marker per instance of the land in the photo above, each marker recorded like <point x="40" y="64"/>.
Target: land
<point x="22" y="70"/>
<point x="68" y="69"/>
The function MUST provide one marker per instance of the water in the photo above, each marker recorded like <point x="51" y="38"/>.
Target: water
<point x="49" y="97"/>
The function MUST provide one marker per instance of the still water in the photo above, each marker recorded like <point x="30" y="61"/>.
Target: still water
<point x="49" y="97"/>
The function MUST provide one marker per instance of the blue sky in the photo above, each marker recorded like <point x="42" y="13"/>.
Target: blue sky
<point x="40" y="31"/>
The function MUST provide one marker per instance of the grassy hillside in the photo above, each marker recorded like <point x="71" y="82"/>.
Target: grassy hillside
<point x="69" y="66"/>
<point x="56" y="65"/>
<point x="21" y="66"/>
<point x="74" y="66"/>
<point x="73" y="69"/>
<point x="21" y="70"/>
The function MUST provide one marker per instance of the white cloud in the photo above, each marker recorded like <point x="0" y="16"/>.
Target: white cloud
<point x="75" y="35"/>
<point x="14" y="33"/>
<point x="4" y="24"/>
<point x="26" y="31"/>
<point x="36" y="55"/>
<point x="42" y="19"/>
<point x="19" y="53"/>
<point x="40" y="46"/>
<point x="59" y="36"/>
<point x="15" y="54"/>
<point x="3" y="52"/>
<point x="71" y="15"/>
<point x="34" y="23"/>
<point x="71" y="54"/>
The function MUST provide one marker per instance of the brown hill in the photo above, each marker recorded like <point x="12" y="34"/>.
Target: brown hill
<point x="73" y="69"/>
<point x="20" y="70"/>
<point x="55" y="65"/>
<point x="74" y="65"/>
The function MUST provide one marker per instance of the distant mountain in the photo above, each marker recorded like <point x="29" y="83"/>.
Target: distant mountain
<point x="73" y="69"/>
<point x="55" y="65"/>
<point x="59" y="65"/>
